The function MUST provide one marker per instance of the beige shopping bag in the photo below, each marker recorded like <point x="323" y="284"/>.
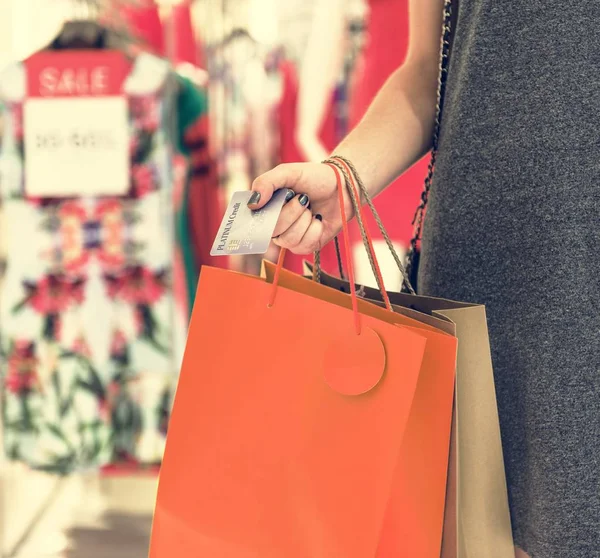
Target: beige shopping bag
<point x="477" y="523"/>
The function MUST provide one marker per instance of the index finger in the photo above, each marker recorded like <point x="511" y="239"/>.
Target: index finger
<point x="282" y="176"/>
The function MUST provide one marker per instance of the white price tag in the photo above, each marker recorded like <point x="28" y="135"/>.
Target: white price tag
<point x="76" y="146"/>
<point x="76" y="124"/>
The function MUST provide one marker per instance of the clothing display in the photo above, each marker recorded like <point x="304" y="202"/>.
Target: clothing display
<point x="200" y="209"/>
<point x="197" y="194"/>
<point x="86" y="307"/>
<point x="142" y="20"/>
<point x="183" y="40"/>
<point x="385" y="50"/>
<point x="288" y="148"/>
<point x="512" y="223"/>
<point x="245" y="85"/>
<point x="244" y="90"/>
<point x="295" y="20"/>
<point x="203" y="204"/>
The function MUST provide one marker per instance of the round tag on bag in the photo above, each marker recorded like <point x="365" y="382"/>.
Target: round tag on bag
<point x="354" y="364"/>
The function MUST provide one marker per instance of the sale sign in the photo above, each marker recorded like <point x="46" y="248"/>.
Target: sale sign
<point x="76" y="124"/>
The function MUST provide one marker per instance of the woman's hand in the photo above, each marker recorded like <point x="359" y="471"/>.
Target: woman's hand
<point x="312" y="217"/>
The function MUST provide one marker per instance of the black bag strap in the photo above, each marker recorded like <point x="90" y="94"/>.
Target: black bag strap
<point x="411" y="259"/>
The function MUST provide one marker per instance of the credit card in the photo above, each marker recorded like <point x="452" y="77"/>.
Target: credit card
<point x="244" y="231"/>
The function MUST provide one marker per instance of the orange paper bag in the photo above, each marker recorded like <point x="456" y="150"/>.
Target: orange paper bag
<point x="267" y="456"/>
<point x="415" y="514"/>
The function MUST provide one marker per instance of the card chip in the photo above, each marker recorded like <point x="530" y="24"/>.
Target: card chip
<point x="244" y="231"/>
<point x="234" y="245"/>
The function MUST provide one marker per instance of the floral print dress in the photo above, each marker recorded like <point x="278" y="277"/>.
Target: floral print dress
<point x="86" y="304"/>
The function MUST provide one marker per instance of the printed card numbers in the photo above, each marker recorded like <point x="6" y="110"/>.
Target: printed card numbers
<point x="76" y="146"/>
<point x="76" y="124"/>
<point x="78" y="139"/>
<point x="258" y="218"/>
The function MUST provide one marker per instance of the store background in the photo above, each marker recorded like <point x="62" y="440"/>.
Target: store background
<point x="248" y="56"/>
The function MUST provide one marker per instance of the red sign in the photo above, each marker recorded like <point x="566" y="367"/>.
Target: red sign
<point x="83" y="73"/>
<point x="75" y="119"/>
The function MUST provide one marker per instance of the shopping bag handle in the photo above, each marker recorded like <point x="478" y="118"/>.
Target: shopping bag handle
<point x="356" y="189"/>
<point x="280" y="262"/>
<point x="351" y="365"/>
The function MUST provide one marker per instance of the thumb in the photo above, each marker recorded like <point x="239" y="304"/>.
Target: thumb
<point x="263" y="188"/>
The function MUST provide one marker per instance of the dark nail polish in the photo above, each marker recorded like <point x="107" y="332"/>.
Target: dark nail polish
<point x="290" y="195"/>
<point x="318" y="217"/>
<point x="303" y="199"/>
<point x="254" y="198"/>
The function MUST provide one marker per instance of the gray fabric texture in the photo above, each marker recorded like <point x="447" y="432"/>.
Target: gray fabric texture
<point x="513" y="223"/>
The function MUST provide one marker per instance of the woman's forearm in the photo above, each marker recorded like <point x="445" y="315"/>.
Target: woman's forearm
<point x="397" y="129"/>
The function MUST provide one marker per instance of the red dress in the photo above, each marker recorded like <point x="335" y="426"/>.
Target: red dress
<point x="143" y="22"/>
<point x="385" y="51"/>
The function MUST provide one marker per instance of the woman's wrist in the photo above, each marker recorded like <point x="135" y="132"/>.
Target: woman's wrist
<point x="363" y="166"/>
<point x="348" y="205"/>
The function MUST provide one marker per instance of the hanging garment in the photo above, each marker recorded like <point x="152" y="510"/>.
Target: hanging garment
<point x="196" y="196"/>
<point x="199" y="209"/>
<point x="179" y="27"/>
<point x="244" y="93"/>
<point x="142" y="20"/>
<point x="86" y="306"/>
<point x="199" y="215"/>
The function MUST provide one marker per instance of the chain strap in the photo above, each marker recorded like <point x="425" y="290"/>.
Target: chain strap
<point x="442" y="79"/>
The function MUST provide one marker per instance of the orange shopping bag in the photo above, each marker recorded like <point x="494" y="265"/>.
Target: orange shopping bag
<point x="415" y="514"/>
<point x="286" y="433"/>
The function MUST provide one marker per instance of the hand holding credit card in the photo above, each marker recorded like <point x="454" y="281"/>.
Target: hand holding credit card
<point x="244" y="231"/>
<point x="307" y="223"/>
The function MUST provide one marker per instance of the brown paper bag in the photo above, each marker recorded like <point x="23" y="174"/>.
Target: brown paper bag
<point x="477" y="523"/>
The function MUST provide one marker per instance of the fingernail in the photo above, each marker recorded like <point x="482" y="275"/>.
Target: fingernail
<point x="254" y="198"/>
<point x="318" y="217"/>
<point x="290" y="195"/>
<point x="303" y="199"/>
